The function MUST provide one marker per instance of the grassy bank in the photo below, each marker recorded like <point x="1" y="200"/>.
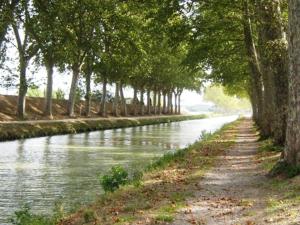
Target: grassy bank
<point x="167" y="183"/>
<point x="283" y="200"/>
<point x="20" y="130"/>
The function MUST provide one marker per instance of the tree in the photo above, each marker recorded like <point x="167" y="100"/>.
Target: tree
<point x="292" y="149"/>
<point x="78" y="20"/>
<point x="48" y="35"/>
<point x="27" y="48"/>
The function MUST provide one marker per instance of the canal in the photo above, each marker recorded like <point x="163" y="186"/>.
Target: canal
<point x="66" y="168"/>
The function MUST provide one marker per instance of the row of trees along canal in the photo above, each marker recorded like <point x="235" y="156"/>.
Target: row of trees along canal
<point x="246" y="44"/>
<point x="108" y="42"/>
<point x="166" y="46"/>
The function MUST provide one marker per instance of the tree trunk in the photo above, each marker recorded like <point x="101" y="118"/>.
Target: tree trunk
<point x="164" y="103"/>
<point x="170" y="103"/>
<point x="292" y="149"/>
<point x="273" y="52"/>
<point x="148" y="102"/>
<point x="116" y="100"/>
<point x="179" y="103"/>
<point x="154" y="102"/>
<point x="175" y="101"/>
<point x="134" y="101"/>
<point x="254" y="66"/>
<point x="48" y="103"/>
<point x="88" y="94"/>
<point x="124" y="106"/>
<point x="142" y="102"/>
<point x="103" y="109"/>
<point x="73" y="89"/>
<point x="22" y="89"/>
<point x="159" y="103"/>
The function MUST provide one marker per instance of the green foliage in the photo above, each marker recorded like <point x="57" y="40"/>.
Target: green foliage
<point x="35" y="92"/>
<point x="269" y="146"/>
<point x="226" y="103"/>
<point x="59" y="94"/>
<point x="205" y="135"/>
<point x="25" y="217"/>
<point x="136" y="178"/>
<point x="89" y="215"/>
<point x="167" y="159"/>
<point x="164" y="218"/>
<point x="115" y="178"/>
<point x="283" y="168"/>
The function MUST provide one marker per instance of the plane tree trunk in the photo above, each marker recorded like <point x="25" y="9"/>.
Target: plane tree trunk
<point x="292" y="149"/>
<point x="103" y="108"/>
<point x="48" y="101"/>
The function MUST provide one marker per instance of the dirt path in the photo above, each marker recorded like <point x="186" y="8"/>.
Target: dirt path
<point x="233" y="192"/>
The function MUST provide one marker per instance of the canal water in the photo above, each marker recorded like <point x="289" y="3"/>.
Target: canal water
<point x="66" y="168"/>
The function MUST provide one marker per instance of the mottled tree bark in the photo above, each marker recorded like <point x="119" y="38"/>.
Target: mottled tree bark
<point x="23" y="86"/>
<point x="164" y="103"/>
<point x="103" y="108"/>
<point x="179" y="102"/>
<point x="175" y="103"/>
<point x="274" y="69"/>
<point x="116" y="100"/>
<point x="148" y="102"/>
<point x="48" y="101"/>
<point x="159" y="103"/>
<point x="155" y="102"/>
<point x="124" y="106"/>
<point x="73" y="89"/>
<point x="292" y="149"/>
<point x="88" y="93"/>
<point x="254" y="66"/>
<point x="142" y="110"/>
<point x="134" y="101"/>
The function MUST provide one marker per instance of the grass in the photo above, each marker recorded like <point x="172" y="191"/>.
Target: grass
<point x="284" y="193"/>
<point x="13" y="131"/>
<point x="166" y="185"/>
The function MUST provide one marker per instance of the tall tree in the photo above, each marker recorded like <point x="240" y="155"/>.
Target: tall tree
<point x="26" y="47"/>
<point x="78" y="18"/>
<point x="292" y="149"/>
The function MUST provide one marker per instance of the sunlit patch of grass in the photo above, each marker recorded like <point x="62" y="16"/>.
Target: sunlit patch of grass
<point x="164" y="218"/>
<point x="246" y="202"/>
<point x="125" y="219"/>
<point x="269" y="146"/>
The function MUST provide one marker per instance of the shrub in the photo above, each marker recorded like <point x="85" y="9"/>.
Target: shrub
<point x="136" y="179"/>
<point x="25" y="217"/>
<point x="269" y="146"/>
<point x="89" y="216"/>
<point x="115" y="178"/>
<point x="205" y="135"/>
<point x="283" y="168"/>
<point x="59" y="94"/>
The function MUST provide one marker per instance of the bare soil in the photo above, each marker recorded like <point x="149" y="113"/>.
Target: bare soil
<point x="35" y="107"/>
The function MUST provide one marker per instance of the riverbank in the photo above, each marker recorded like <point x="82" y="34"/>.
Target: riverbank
<point x="40" y="128"/>
<point x="221" y="179"/>
<point x="166" y="185"/>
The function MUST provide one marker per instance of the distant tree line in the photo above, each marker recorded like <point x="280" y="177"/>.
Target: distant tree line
<point x="124" y="43"/>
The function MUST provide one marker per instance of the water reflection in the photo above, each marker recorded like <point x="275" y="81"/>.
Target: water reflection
<point x="41" y="170"/>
